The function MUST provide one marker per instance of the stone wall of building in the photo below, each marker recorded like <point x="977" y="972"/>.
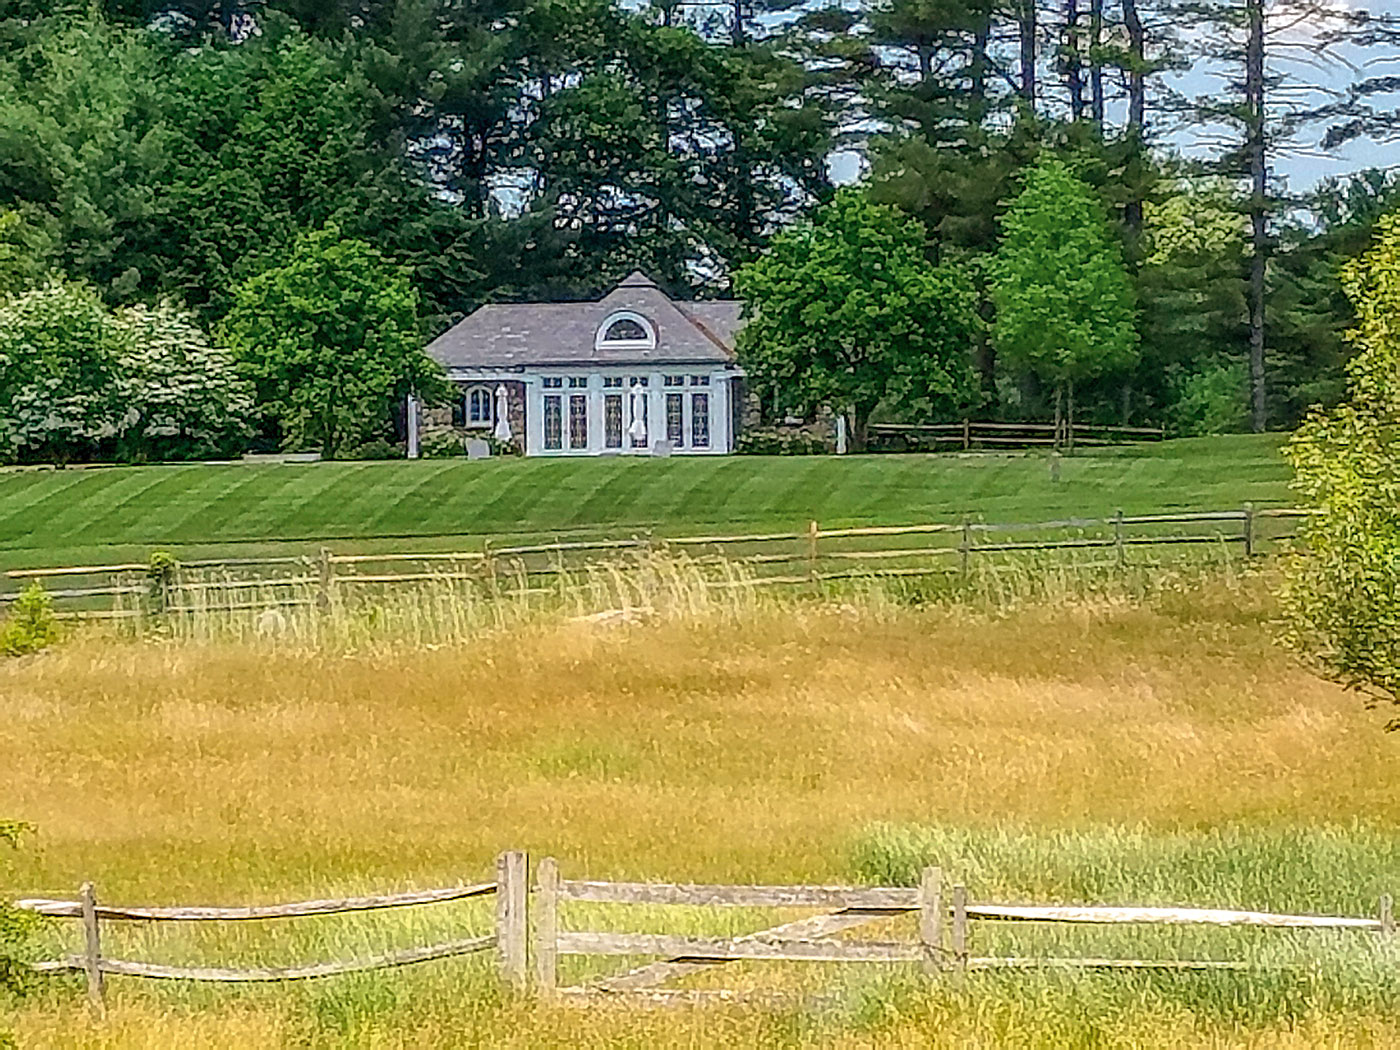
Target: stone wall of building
<point x="437" y="420"/>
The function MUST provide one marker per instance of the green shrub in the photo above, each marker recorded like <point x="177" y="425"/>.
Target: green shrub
<point x="17" y="929"/>
<point x="376" y="449"/>
<point x="1213" y="401"/>
<point x="31" y="625"/>
<point x="1341" y="597"/>
<point x="442" y="444"/>
<point x="774" y="441"/>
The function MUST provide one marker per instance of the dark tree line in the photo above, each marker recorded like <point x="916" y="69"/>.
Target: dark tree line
<point x="513" y="149"/>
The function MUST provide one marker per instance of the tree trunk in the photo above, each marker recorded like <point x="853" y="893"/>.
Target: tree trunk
<point x="977" y="71"/>
<point x="859" y="420"/>
<point x="1074" y="61"/>
<point x="737" y="34"/>
<point x="1256" y="147"/>
<point x="1096" y="93"/>
<point x="1069" y="417"/>
<point x="1027" y="27"/>
<point x="1059" y="414"/>
<point x="1137" y="105"/>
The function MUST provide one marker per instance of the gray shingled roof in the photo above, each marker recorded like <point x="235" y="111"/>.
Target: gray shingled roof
<point x="513" y="335"/>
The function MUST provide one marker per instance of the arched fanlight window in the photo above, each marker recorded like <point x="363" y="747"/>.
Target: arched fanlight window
<point x="625" y="330"/>
<point x="479" y="407"/>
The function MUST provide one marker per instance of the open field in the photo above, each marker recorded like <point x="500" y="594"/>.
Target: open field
<point x="76" y="517"/>
<point x="1142" y="748"/>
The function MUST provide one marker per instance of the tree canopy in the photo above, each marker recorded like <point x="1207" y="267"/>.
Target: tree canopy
<point x="331" y="341"/>
<point x="847" y="309"/>
<point x="1064" y="303"/>
<point x="1343" y="587"/>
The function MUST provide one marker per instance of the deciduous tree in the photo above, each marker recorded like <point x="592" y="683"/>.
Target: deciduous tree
<point x="846" y="309"/>
<point x="1064" y="304"/>
<point x="1342" y="592"/>
<point x="331" y="341"/>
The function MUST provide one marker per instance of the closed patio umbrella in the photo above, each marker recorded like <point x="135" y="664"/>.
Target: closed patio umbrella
<point x="502" y="430"/>
<point x="638" y="430"/>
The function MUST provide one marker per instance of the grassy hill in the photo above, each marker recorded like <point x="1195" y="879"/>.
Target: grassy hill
<point x="74" y="516"/>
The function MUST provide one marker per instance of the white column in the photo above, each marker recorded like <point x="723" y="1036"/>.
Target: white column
<point x="411" y="422"/>
<point x="720" y="438"/>
<point x="595" y="414"/>
<point x="533" y="437"/>
<point x="656" y="398"/>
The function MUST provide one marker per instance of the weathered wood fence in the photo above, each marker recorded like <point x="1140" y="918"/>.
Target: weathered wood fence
<point x="530" y="927"/>
<point x="810" y="555"/>
<point x="970" y="434"/>
<point x="510" y="889"/>
<point x="943" y="945"/>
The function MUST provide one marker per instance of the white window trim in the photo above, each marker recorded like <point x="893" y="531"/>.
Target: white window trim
<point x="490" y="395"/>
<point x="601" y="342"/>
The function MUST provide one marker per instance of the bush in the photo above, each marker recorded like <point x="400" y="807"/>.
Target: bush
<point x="1214" y="401"/>
<point x="376" y="449"/>
<point x="1342" y="591"/>
<point x="17" y="929"/>
<point x="31" y="625"/>
<point x="772" y="441"/>
<point x="442" y="444"/>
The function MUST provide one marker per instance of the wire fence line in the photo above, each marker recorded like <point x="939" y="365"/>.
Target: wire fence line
<point x="811" y="555"/>
<point x="530" y="934"/>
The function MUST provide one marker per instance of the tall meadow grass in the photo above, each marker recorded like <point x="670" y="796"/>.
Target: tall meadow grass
<point x="1044" y="732"/>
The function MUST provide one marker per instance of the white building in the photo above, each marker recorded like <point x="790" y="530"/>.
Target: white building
<point x="631" y="374"/>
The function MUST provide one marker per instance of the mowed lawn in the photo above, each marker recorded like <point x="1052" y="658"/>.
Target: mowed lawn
<point x="52" y="517"/>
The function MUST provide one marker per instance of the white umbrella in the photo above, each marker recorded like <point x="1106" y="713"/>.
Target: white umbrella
<point x="502" y="431"/>
<point x="638" y="430"/>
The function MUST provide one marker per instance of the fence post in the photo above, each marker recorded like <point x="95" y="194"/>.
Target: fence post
<point x="931" y="919"/>
<point x="967" y="434"/>
<point x="546" y="908"/>
<point x="960" y="926"/>
<point x="325" y="580"/>
<point x="92" y="950"/>
<point x="512" y="892"/>
<point x="1118" y="537"/>
<point x="813" y="533"/>
<point x="1386" y="916"/>
<point x="1249" y="530"/>
<point x="965" y="547"/>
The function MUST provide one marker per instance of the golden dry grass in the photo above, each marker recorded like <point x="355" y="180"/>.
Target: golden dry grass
<point x="749" y="745"/>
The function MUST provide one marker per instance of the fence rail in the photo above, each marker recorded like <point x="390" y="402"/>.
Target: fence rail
<point x="95" y="965"/>
<point x="528" y="929"/>
<point x="801" y="557"/>
<point x="970" y="434"/>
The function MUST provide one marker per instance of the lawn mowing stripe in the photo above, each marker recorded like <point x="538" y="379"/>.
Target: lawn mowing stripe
<point x="342" y="503"/>
<point x="13" y="523"/>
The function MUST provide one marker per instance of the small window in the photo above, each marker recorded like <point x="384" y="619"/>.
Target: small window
<point x="611" y="382"/>
<point x="479" y="407"/>
<point x="552" y="382"/>
<point x="638" y="380"/>
<point x="578" y="382"/>
<point x="673" y="380"/>
<point x="625" y="330"/>
<point x="699" y="380"/>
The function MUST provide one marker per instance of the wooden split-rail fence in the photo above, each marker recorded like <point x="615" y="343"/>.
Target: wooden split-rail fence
<point x="530" y="928"/>
<point x="970" y="434"/>
<point x="813" y="555"/>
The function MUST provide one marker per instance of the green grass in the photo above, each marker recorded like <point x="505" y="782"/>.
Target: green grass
<point x="77" y="516"/>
